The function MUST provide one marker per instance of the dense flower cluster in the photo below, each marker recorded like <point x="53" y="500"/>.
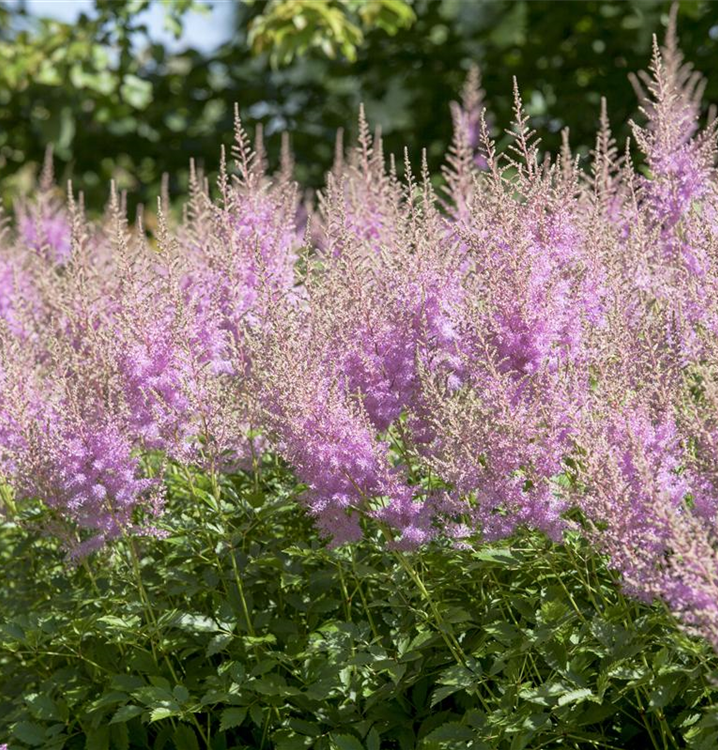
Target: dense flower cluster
<point x="535" y="347"/>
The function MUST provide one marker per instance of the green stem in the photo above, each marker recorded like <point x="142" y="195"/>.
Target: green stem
<point x="205" y="532"/>
<point x="149" y="611"/>
<point x="240" y="591"/>
<point x="584" y="579"/>
<point x="100" y="598"/>
<point x="558" y="577"/>
<point x="646" y="723"/>
<point x="364" y="602"/>
<point x="508" y="611"/>
<point x="345" y="592"/>
<point x="666" y="732"/>
<point x="446" y="632"/>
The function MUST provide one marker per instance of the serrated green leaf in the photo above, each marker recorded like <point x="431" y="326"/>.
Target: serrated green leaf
<point x="504" y="557"/>
<point x="185" y="738"/>
<point x="29" y="732"/>
<point x="125" y="713"/>
<point x="194" y="623"/>
<point x="444" y="691"/>
<point x="256" y="715"/>
<point x="666" y="689"/>
<point x="576" y="696"/>
<point x="219" y="643"/>
<point x="43" y="707"/>
<point x="109" y="699"/>
<point x="181" y="693"/>
<point x="459" y="676"/>
<point x="119" y="737"/>
<point x="595" y="714"/>
<point x="13" y="631"/>
<point x="452" y="731"/>
<point x="98" y="739"/>
<point x="232" y="717"/>
<point x="120" y="623"/>
<point x="152" y="695"/>
<point x="310" y="728"/>
<point x="162" y="712"/>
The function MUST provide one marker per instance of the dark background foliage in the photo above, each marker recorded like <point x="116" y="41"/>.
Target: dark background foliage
<point x="115" y="104"/>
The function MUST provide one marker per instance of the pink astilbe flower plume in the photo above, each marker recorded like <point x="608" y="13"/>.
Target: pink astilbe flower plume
<point x="317" y="426"/>
<point x="247" y="243"/>
<point x="679" y="156"/>
<point x="43" y="224"/>
<point x="66" y="445"/>
<point x="466" y="152"/>
<point x="361" y="199"/>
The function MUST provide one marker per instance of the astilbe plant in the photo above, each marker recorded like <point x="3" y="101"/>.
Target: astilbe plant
<point x="534" y="348"/>
<point x="645" y="446"/>
<point x="65" y="443"/>
<point x="318" y="424"/>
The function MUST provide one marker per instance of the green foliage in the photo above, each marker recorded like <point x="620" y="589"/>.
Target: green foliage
<point x="288" y="28"/>
<point x="241" y="630"/>
<point x="61" y="77"/>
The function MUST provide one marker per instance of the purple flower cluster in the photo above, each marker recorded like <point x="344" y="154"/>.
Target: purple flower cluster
<point x="43" y="224"/>
<point x="116" y="349"/>
<point x="47" y="233"/>
<point x="539" y="337"/>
